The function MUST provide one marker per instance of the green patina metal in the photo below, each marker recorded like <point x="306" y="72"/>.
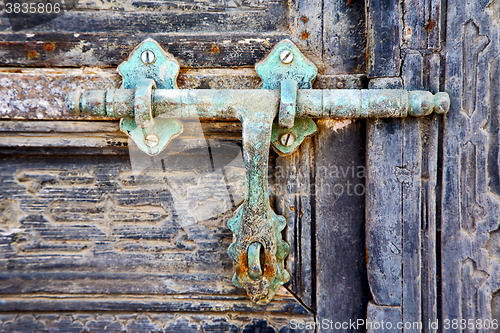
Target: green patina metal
<point x="273" y="71"/>
<point x="288" y="103"/>
<point x="300" y="130"/>
<point x="164" y="69"/>
<point x="255" y="258"/>
<point x="163" y="130"/>
<point x="269" y="117"/>
<point x="147" y="68"/>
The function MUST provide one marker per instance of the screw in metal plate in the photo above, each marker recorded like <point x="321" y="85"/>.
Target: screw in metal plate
<point x="147" y="57"/>
<point x="286" y="56"/>
<point x="152" y="140"/>
<point x="287" y="139"/>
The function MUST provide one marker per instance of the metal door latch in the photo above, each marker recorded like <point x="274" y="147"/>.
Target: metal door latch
<point x="280" y="114"/>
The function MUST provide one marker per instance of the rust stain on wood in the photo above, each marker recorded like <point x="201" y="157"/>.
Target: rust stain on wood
<point x="49" y="47"/>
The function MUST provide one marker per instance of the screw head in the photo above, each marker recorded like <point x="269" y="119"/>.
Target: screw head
<point x="147" y="57"/>
<point x="340" y="85"/>
<point x="286" y="56"/>
<point x="287" y="139"/>
<point x="152" y="140"/>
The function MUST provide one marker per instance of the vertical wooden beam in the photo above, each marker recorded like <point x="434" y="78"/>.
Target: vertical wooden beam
<point x="344" y="36"/>
<point x="342" y="289"/>
<point x="384" y="213"/>
<point x="470" y="206"/>
<point x="429" y="127"/>
<point x="306" y="23"/>
<point x="383" y="38"/>
<point x="294" y="195"/>
<point x="410" y="178"/>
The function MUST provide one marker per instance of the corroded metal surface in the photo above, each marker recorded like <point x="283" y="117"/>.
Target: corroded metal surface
<point x="273" y="70"/>
<point x="148" y="67"/>
<point x="311" y="103"/>
<point x="255" y="222"/>
<point x="258" y="250"/>
<point x="39" y="94"/>
<point x="163" y="68"/>
<point x="288" y="103"/>
<point x="286" y="64"/>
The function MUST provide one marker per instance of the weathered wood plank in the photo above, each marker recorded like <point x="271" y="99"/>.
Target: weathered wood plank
<point x="410" y="175"/>
<point x="123" y="225"/>
<point x="470" y="208"/>
<point x="191" y="128"/>
<point x="306" y="23"/>
<point x="390" y="316"/>
<point x="384" y="227"/>
<point x="76" y="49"/>
<point x="146" y="322"/>
<point x="166" y="6"/>
<point x="103" y="21"/>
<point x="383" y="56"/>
<point x="283" y="303"/>
<point x="434" y="24"/>
<point x="341" y="286"/>
<point x="414" y="16"/>
<point x="16" y="135"/>
<point x="294" y="201"/>
<point x="384" y="212"/>
<point x="118" y="219"/>
<point x="429" y="127"/>
<point x="422" y="24"/>
<point x="344" y="36"/>
<point x="430" y="148"/>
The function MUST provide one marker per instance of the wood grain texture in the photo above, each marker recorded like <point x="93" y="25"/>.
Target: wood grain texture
<point x="418" y="171"/>
<point x="389" y="315"/>
<point x="344" y="36"/>
<point x="342" y="288"/>
<point x="383" y="42"/>
<point x="412" y="205"/>
<point x="123" y="225"/>
<point x="76" y="49"/>
<point x="429" y="189"/>
<point x="199" y="34"/>
<point x="79" y="322"/>
<point x="470" y="204"/>
<point x="294" y="200"/>
<point x="384" y="195"/>
<point x="422" y="24"/>
<point x="97" y="237"/>
<point x="384" y="228"/>
<point x="306" y="24"/>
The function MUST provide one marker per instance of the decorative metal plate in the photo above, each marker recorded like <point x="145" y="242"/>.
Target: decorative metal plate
<point x="287" y="62"/>
<point x="149" y="61"/>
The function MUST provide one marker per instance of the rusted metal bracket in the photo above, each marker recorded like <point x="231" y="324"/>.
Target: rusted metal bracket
<point x="280" y="114"/>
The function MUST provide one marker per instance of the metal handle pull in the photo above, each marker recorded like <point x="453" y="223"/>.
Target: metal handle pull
<point x="277" y="115"/>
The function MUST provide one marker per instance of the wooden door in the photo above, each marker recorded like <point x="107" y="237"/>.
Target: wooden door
<point x="393" y="220"/>
<point x="432" y="206"/>
<point x="97" y="236"/>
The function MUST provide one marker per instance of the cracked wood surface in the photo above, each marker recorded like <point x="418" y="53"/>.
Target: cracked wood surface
<point x="199" y="34"/>
<point x="445" y="226"/>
